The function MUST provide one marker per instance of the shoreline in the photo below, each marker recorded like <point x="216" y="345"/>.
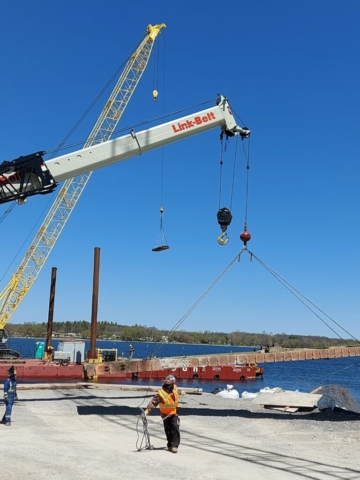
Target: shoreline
<point x="134" y="341"/>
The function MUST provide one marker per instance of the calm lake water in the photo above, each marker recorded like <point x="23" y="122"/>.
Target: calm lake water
<point x="304" y="375"/>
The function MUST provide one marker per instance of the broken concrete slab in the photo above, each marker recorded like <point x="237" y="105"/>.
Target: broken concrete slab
<point x="287" y="399"/>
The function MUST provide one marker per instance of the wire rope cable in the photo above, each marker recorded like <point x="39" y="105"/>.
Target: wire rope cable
<point x="196" y="303"/>
<point x="163" y="116"/>
<point x="233" y="174"/>
<point x="143" y="442"/>
<point x="27" y="237"/>
<point x="62" y="144"/>
<point x="222" y="152"/>
<point x="304" y="299"/>
<point x="247" y="159"/>
<point x="8" y="211"/>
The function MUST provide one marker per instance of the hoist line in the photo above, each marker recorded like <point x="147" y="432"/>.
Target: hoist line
<point x="233" y="176"/>
<point x="162" y="178"/>
<point x="163" y="116"/>
<point x="156" y="67"/>
<point x="222" y="150"/>
<point x="197" y="302"/>
<point x="129" y="128"/>
<point x="247" y="157"/>
<point x="298" y="294"/>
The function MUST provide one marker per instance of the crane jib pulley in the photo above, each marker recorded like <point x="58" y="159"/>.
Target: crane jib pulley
<point x="23" y="177"/>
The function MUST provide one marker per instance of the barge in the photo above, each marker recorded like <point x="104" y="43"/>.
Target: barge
<point x="33" y="369"/>
<point x="223" y="367"/>
<point x="71" y="362"/>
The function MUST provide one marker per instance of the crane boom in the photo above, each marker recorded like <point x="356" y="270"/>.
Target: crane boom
<point x="44" y="175"/>
<point x="69" y="194"/>
<point x="134" y="143"/>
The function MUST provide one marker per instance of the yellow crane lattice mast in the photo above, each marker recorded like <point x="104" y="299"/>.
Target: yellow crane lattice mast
<point x="61" y="209"/>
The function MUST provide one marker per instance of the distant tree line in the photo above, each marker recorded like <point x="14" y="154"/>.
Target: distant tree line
<point x="138" y="333"/>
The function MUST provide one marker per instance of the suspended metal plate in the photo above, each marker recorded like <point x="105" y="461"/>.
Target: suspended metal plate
<point x="161" y="248"/>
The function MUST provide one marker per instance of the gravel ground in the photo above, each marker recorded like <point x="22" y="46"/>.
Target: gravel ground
<point x="82" y="434"/>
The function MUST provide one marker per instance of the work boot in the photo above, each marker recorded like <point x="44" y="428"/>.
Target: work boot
<point x="8" y="424"/>
<point x="174" y="449"/>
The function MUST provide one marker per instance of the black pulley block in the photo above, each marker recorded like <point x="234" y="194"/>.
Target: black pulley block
<point x="224" y="218"/>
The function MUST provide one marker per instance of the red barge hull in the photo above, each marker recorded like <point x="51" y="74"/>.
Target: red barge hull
<point x="224" y="372"/>
<point x="209" y="367"/>
<point x="39" y="370"/>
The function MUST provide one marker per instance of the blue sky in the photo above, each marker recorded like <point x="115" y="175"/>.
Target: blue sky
<point x="290" y="71"/>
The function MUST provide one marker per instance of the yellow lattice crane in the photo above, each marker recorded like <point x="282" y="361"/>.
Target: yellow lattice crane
<point x="48" y="233"/>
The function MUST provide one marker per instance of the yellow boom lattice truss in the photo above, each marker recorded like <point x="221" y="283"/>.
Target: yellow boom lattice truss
<point x="70" y="192"/>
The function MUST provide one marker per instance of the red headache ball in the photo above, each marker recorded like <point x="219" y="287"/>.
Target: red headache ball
<point x="245" y="236"/>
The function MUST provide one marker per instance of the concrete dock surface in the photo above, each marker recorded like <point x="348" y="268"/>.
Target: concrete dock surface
<point x="86" y="433"/>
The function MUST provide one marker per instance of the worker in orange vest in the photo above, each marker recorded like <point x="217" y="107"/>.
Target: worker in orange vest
<point x="167" y="398"/>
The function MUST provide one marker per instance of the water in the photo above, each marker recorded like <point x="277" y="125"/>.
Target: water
<point x="305" y="375"/>
<point x="26" y="347"/>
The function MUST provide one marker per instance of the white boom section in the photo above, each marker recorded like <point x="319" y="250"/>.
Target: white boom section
<point x="133" y="144"/>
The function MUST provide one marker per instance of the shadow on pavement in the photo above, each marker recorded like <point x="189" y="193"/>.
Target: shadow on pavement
<point x="207" y="412"/>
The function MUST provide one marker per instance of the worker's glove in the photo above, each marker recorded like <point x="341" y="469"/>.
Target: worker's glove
<point x="6" y="400"/>
<point x="146" y="412"/>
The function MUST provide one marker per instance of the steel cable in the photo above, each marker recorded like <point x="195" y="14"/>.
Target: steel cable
<point x="196" y="303"/>
<point x="298" y="294"/>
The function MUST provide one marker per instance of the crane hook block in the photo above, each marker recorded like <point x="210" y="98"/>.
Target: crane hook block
<point x="245" y="236"/>
<point x="224" y="218"/>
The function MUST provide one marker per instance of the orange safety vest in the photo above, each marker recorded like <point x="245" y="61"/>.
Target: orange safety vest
<point x="168" y="406"/>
